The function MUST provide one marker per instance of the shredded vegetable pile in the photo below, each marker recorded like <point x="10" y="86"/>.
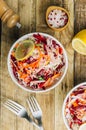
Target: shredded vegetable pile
<point x="43" y="67"/>
<point x="57" y="18"/>
<point x="75" y="110"/>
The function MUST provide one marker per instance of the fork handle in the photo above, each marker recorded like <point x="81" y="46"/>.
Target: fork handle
<point x="28" y="118"/>
<point x="41" y="128"/>
<point x="35" y="125"/>
<point x="40" y="124"/>
<point x="39" y="121"/>
<point x="31" y="121"/>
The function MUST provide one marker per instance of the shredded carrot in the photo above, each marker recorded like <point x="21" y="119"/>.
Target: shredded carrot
<point x="75" y="104"/>
<point x="23" y="76"/>
<point x="28" y="71"/>
<point x="34" y="64"/>
<point x="56" y="76"/>
<point x="47" y="82"/>
<point x="51" y="80"/>
<point x="48" y="60"/>
<point x="26" y="80"/>
<point x="16" y="45"/>
<point x="13" y="53"/>
<point x="20" y="73"/>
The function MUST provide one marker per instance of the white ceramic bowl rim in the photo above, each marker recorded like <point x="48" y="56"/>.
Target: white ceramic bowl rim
<point x="63" y="108"/>
<point x="25" y="37"/>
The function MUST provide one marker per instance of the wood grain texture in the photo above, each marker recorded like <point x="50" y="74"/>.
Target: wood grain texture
<point x="32" y="17"/>
<point x="80" y="23"/>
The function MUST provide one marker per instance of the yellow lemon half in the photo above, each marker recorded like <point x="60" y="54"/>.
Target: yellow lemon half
<point x="82" y="127"/>
<point x="79" y="42"/>
<point x="24" y="50"/>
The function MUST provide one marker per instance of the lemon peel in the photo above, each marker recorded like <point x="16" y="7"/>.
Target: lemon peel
<point x="24" y="50"/>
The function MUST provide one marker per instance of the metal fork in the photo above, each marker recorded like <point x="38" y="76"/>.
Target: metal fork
<point x="19" y="111"/>
<point x="35" y="110"/>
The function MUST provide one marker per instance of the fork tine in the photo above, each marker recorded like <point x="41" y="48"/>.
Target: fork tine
<point x="13" y="105"/>
<point x="31" y="105"/>
<point x="34" y="106"/>
<point x="16" y="104"/>
<point x="10" y="108"/>
<point x="35" y="103"/>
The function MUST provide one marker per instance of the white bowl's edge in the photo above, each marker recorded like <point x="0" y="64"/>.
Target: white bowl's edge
<point x="25" y="37"/>
<point x="63" y="107"/>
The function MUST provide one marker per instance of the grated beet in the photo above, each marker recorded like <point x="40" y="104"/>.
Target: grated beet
<point x="79" y="91"/>
<point x="24" y="70"/>
<point x="45" y="74"/>
<point x="62" y="18"/>
<point x="14" y="72"/>
<point x="65" y="21"/>
<point x="55" y="44"/>
<point x="40" y="85"/>
<point x="39" y="38"/>
<point x="44" y="46"/>
<point x="59" y="67"/>
<point x="76" y="120"/>
<point x="30" y="60"/>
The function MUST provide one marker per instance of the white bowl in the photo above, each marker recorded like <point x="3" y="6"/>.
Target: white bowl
<point x="10" y="70"/>
<point x="63" y="108"/>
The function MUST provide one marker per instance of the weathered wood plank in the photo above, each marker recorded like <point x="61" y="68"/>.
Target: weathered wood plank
<point x="9" y="89"/>
<point x="61" y="91"/>
<point x="51" y="102"/>
<point x="6" y="89"/>
<point x="47" y="100"/>
<point x="80" y="23"/>
<point x="32" y="17"/>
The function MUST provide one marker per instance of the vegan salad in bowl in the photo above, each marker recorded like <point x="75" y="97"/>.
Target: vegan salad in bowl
<point x="37" y="62"/>
<point x="74" y="108"/>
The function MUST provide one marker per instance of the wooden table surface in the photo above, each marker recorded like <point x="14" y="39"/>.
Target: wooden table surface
<point x="32" y="18"/>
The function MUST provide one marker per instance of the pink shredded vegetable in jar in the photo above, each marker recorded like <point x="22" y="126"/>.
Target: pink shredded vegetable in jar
<point x="57" y="18"/>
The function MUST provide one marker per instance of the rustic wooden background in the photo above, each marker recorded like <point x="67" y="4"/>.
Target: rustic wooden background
<point x="32" y="17"/>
